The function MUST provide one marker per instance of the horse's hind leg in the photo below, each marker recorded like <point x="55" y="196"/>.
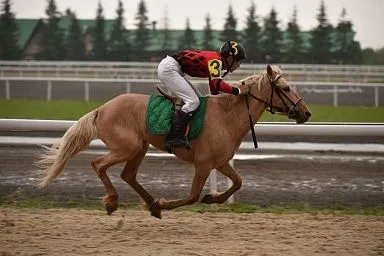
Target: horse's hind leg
<point x="220" y="198"/>
<point x="129" y="175"/>
<point x="100" y="165"/>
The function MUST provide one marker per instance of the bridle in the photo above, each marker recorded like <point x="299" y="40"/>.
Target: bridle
<point x="291" y="111"/>
<point x="282" y="95"/>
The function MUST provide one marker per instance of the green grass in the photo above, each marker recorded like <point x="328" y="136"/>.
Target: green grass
<point x="321" y="113"/>
<point x="73" y="110"/>
<point x="297" y="208"/>
<point x="39" y="109"/>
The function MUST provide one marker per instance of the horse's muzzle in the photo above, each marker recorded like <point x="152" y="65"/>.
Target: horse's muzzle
<point x="300" y="117"/>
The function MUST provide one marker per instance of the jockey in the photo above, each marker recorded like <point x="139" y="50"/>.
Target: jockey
<point x="195" y="63"/>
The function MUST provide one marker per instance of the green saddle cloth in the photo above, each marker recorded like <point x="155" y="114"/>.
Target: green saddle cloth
<point x="160" y="113"/>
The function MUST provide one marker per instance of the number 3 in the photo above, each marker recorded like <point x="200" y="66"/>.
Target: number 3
<point x="214" y="67"/>
<point x="234" y="47"/>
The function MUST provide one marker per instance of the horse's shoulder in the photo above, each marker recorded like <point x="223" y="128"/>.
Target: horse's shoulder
<point x="131" y="97"/>
<point x="220" y="98"/>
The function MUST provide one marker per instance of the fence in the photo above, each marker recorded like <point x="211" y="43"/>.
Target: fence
<point x="262" y="129"/>
<point x="148" y="70"/>
<point x="327" y="87"/>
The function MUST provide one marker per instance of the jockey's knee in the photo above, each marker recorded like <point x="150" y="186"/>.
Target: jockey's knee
<point x="191" y="106"/>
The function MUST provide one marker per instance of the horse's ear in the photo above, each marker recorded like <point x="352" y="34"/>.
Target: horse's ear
<point x="269" y="71"/>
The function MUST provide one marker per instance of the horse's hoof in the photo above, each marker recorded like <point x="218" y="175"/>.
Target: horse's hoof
<point x="207" y="199"/>
<point x="110" y="209"/>
<point x="156" y="214"/>
<point x="155" y="209"/>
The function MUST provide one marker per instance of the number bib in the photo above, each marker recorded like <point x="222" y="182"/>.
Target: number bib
<point x="214" y="67"/>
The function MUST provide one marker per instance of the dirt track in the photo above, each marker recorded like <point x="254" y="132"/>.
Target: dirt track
<point x="79" y="232"/>
<point x="317" y="178"/>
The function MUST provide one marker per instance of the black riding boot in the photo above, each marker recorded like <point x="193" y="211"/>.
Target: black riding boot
<point x="177" y="137"/>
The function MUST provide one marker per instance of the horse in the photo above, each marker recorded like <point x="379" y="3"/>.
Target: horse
<point x="121" y="124"/>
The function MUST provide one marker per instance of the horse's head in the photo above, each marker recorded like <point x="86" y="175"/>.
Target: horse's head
<point x="274" y="90"/>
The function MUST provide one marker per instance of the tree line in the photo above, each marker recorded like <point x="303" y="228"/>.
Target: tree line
<point x="263" y="38"/>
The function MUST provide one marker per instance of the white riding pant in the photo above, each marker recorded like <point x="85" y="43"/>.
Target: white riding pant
<point x="173" y="83"/>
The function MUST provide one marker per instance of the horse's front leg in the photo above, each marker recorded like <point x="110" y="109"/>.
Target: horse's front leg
<point x="220" y="198"/>
<point x="201" y="175"/>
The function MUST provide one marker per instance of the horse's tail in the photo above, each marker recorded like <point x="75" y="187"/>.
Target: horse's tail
<point x="76" y="138"/>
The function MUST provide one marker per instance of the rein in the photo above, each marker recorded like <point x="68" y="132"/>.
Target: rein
<point x="251" y="125"/>
<point x="272" y="109"/>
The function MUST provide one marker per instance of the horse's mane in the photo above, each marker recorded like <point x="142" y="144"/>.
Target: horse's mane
<point x="252" y="80"/>
<point x="258" y="78"/>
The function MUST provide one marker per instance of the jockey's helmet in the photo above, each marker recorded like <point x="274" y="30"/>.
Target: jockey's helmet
<point x="232" y="48"/>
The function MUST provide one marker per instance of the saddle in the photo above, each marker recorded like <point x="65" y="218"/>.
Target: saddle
<point x="160" y="111"/>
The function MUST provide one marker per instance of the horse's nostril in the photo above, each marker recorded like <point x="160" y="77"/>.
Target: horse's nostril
<point x="308" y="114"/>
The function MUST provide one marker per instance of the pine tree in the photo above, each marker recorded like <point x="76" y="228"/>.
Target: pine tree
<point x="347" y="51"/>
<point x="119" y="46"/>
<point x="321" y="41"/>
<point x="166" y="43"/>
<point x="208" y="35"/>
<point x="187" y="40"/>
<point x="99" y="51"/>
<point x="272" y="38"/>
<point x="229" y="32"/>
<point x="373" y="57"/>
<point x="293" y="45"/>
<point x="75" y="41"/>
<point x="9" y="34"/>
<point x="141" y="42"/>
<point x="52" y="41"/>
<point x="252" y="35"/>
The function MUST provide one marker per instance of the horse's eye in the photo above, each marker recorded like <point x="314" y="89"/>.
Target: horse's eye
<point x="286" y="89"/>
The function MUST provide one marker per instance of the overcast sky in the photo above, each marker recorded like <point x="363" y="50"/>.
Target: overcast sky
<point x="366" y="15"/>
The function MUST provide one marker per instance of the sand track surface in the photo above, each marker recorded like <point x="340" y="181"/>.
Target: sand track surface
<point x="134" y="232"/>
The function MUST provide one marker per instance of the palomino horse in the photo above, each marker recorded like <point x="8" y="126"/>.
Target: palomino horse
<point x="121" y="125"/>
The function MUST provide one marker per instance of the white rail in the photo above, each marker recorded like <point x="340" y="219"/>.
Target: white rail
<point x="149" y="71"/>
<point x="262" y="129"/>
<point x="196" y="81"/>
<point x="90" y="69"/>
<point x="149" y="80"/>
<point x="331" y="87"/>
<point x="111" y="64"/>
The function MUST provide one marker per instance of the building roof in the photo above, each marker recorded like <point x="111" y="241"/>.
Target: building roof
<point x="84" y="24"/>
<point x="26" y="28"/>
<point x="157" y="39"/>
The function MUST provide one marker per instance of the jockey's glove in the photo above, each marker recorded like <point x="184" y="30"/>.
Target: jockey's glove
<point x="243" y="89"/>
